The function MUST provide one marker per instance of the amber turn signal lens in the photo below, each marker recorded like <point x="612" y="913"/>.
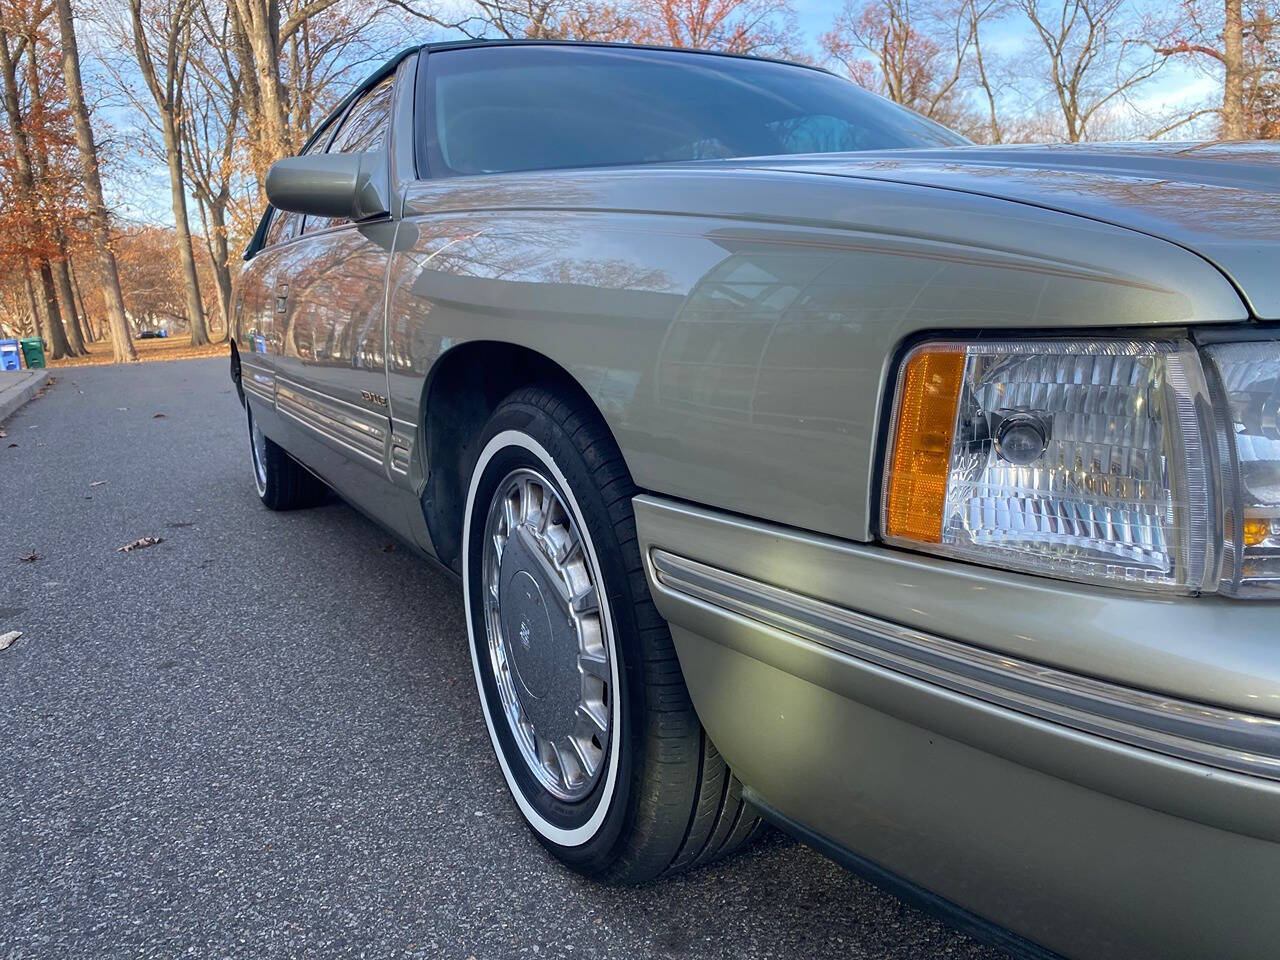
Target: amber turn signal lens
<point x="1256" y="529"/>
<point x="916" y="491"/>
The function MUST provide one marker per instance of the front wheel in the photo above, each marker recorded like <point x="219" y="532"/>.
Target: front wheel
<point x="577" y="675"/>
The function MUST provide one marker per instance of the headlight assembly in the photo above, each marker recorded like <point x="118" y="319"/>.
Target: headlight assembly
<point x="1084" y="459"/>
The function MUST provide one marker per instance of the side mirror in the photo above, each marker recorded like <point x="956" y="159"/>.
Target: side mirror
<point x="348" y="185"/>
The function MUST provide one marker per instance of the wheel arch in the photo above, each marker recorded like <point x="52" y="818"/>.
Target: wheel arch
<point x="461" y="391"/>
<point x="236" y="371"/>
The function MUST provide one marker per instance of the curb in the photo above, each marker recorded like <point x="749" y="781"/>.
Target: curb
<point x="14" y="396"/>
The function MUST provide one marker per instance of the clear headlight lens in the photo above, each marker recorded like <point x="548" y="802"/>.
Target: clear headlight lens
<point x="1245" y="381"/>
<point x="1087" y="460"/>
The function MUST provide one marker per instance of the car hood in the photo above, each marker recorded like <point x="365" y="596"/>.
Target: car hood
<point x="1221" y="201"/>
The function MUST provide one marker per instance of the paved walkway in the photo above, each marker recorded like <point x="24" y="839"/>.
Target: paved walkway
<point x="17" y="387"/>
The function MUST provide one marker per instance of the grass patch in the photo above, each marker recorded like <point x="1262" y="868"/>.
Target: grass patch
<point x="166" y="348"/>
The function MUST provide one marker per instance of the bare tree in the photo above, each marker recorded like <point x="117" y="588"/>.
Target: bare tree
<point x="512" y="19"/>
<point x="210" y="137"/>
<point x="262" y="28"/>
<point x="917" y="53"/>
<point x="49" y="316"/>
<point x="761" y="27"/>
<point x="1264" y="103"/>
<point x="318" y="58"/>
<point x="50" y="175"/>
<point x="539" y="20"/>
<point x="121" y="341"/>
<point x="975" y="14"/>
<point x="1237" y="38"/>
<point x="1091" y="57"/>
<point x="162" y="38"/>
<point x="1233" y="71"/>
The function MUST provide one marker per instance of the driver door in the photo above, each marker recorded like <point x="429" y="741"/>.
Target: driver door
<point x="331" y="377"/>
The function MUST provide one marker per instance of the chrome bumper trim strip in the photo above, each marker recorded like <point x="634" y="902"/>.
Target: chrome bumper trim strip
<point x="1217" y="737"/>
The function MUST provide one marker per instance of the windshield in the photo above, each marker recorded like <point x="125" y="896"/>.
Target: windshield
<point x="507" y="108"/>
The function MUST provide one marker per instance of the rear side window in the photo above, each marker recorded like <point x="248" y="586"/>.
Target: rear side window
<point x="507" y="108"/>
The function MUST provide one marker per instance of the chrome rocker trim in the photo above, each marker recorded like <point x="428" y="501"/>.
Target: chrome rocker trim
<point x="342" y="423"/>
<point x="1217" y="737"/>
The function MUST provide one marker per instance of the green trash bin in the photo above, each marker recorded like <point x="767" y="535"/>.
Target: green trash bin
<point x="32" y="352"/>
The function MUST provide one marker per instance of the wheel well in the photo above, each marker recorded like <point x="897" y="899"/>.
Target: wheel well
<point x="462" y="391"/>
<point x="235" y="372"/>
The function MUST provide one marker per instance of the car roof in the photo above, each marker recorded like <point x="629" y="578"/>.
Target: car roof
<point x="604" y="44"/>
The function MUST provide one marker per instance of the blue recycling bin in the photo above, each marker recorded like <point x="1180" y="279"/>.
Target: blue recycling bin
<point x="10" y="355"/>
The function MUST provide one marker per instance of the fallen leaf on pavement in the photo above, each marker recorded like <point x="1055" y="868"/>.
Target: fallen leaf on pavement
<point x="97" y="483"/>
<point x="6" y="639"/>
<point x="158" y="416"/>
<point x="31" y="557"/>
<point x="140" y="543"/>
<point x="122" y="408"/>
<point x="12" y="445"/>
<point x="2" y="433"/>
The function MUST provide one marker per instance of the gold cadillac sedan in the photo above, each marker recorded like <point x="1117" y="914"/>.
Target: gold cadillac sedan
<point x="803" y="463"/>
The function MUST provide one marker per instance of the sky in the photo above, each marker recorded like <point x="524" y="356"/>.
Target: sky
<point x="140" y="191"/>
<point x="1173" y="85"/>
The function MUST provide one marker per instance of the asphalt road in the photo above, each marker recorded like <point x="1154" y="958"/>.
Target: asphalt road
<point x="259" y="738"/>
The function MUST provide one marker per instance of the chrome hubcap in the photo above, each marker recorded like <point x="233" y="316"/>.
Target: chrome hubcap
<point x="546" y="634"/>
<point x="258" y="453"/>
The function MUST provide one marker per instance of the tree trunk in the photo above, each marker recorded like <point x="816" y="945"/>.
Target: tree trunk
<point x="24" y="182"/>
<point x="993" y="122"/>
<point x="178" y="192"/>
<point x="37" y="318"/>
<point x="221" y="268"/>
<point x="168" y="99"/>
<point x="86" y="328"/>
<point x="48" y="319"/>
<point x="38" y="160"/>
<point x="121" y="341"/>
<point x="67" y="307"/>
<point x="257" y="24"/>
<point x="54" y="330"/>
<point x="90" y="334"/>
<point x="248" y="89"/>
<point x="1233" y="119"/>
<point x="275" y="131"/>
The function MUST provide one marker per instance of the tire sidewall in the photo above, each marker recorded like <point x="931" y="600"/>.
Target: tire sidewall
<point x="254" y="462"/>
<point x="584" y="832"/>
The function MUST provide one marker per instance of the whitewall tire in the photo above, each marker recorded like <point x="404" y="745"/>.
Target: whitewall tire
<point x="578" y="681"/>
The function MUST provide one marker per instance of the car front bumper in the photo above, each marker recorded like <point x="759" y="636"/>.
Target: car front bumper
<point x="1095" y="770"/>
